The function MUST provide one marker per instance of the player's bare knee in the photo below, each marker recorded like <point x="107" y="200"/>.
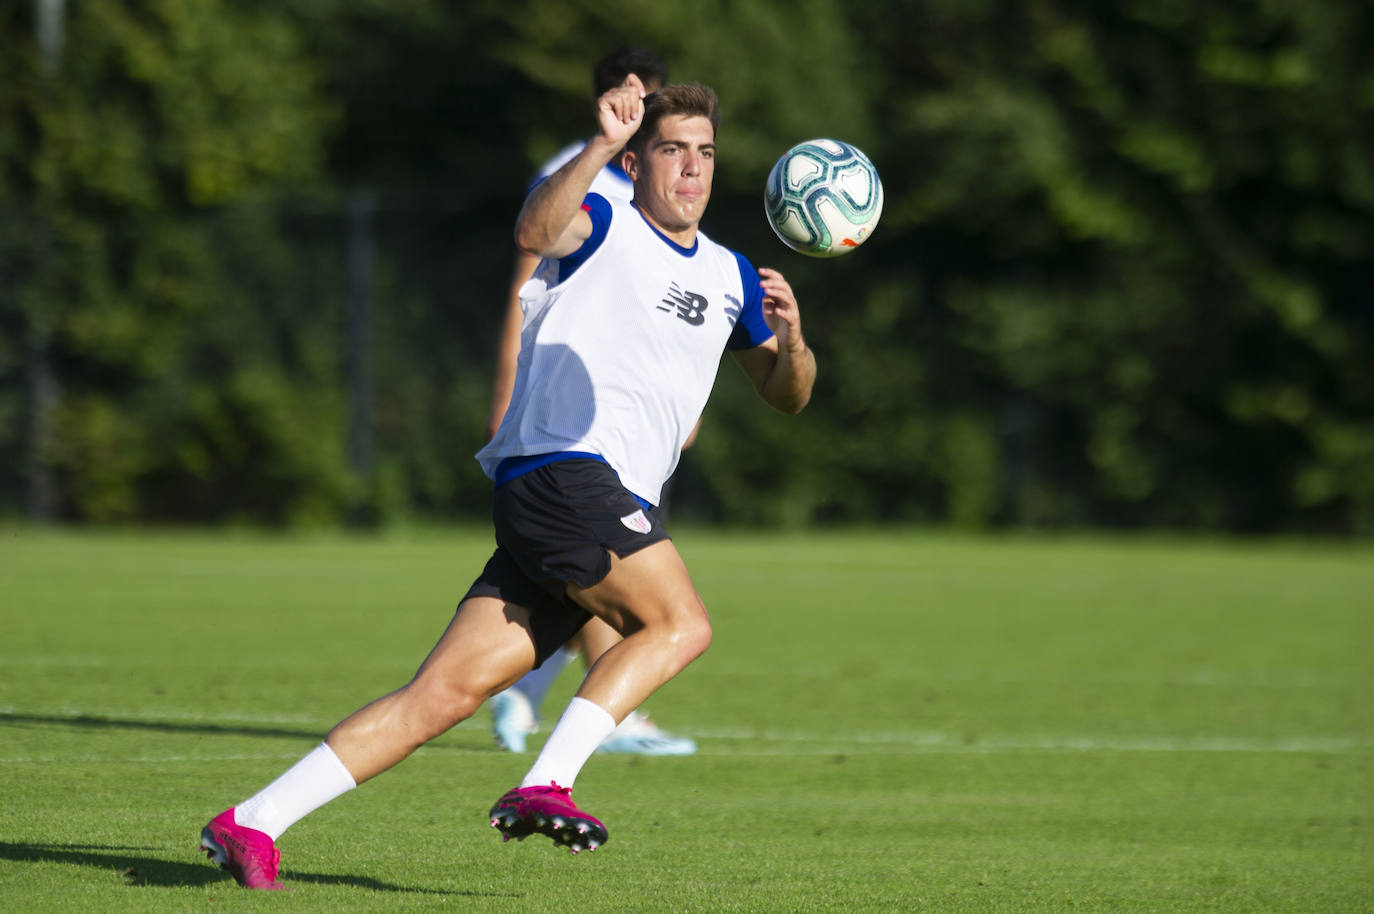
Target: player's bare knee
<point x="441" y="705"/>
<point x="691" y="635"/>
<point x="702" y="638"/>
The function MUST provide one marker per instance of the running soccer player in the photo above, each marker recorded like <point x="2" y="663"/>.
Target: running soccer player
<point x="624" y="327"/>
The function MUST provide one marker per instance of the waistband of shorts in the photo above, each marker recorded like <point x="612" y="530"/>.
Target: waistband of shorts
<point x="515" y="467"/>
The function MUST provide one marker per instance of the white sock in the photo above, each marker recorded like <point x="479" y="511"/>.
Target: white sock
<point x="304" y="788"/>
<point x="574" y="738"/>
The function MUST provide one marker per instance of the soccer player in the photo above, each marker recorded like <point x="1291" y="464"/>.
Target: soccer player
<point x="624" y="327"/>
<point x="515" y="712"/>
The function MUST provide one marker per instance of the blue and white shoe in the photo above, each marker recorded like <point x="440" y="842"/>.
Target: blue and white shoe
<point x="512" y="719"/>
<point x="639" y="735"/>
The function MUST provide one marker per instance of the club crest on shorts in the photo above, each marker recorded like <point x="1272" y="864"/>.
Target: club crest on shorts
<point x="638" y="522"/>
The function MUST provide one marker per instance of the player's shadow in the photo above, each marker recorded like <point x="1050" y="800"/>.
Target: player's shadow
<point x="137" y="866"/>
<point x="574" y="386"/>
<point x="101" y="722"/>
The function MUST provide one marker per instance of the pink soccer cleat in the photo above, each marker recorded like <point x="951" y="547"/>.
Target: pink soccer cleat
<point x="248" y="854"/>
<point x="550" y="811"/>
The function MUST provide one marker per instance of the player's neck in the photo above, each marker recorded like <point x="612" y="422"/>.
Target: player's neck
<point x="683" y="236"/>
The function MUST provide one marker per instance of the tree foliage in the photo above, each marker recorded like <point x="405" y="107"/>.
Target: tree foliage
<point x="151" y="119"/>
<point x="1124" y="275"/>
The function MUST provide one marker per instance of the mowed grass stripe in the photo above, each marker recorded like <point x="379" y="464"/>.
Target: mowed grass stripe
<point x="720" y="742"/>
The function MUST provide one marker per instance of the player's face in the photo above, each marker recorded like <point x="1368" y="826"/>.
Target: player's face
<point x="673" y="176"/>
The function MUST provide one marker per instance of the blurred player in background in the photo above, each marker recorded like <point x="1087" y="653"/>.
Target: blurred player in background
<point x="516" y="711"/>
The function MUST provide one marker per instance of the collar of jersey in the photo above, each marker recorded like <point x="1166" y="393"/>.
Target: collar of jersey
<point x="685" y="252"/>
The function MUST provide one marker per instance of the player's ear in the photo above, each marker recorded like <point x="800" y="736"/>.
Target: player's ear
<point x="629" y="163"/>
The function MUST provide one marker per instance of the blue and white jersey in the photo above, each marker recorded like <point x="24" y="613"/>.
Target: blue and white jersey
<point x="611" y="182"/>
<point x="620" y="347"/>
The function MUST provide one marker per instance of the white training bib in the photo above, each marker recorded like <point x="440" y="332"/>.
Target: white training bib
<point x="618" y="358"/>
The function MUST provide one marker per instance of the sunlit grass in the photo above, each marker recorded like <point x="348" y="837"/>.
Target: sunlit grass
<point x="888" y="721"/>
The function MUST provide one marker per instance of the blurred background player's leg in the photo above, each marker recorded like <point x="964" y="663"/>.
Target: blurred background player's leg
<point x="516" y="711"/>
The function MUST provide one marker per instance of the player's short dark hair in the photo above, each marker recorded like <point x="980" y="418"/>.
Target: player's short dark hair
<point x="611" y="70"/>
<point x="688" y="99"/>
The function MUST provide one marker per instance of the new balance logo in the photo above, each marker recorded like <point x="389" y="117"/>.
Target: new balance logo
<point x="734" y="309"/>
<point x="689" y="305"/>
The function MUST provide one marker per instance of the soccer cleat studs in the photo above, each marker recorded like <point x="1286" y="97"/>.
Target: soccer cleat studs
<point x="547" y="811"/>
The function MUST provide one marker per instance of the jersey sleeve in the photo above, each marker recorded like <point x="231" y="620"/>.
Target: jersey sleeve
<point x="750" y="330"/>
<point x="597" y="207"/>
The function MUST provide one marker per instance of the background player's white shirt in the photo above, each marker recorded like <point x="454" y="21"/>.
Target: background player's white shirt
<point x="619" y="361"/>
<point x="610" y="182"/>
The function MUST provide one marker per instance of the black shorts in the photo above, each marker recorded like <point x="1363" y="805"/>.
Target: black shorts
<point x="557" y="525"/>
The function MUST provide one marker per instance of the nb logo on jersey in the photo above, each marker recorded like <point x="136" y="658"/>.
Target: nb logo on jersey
<point x="735" y="308"/>
<point x="689" y="305"/>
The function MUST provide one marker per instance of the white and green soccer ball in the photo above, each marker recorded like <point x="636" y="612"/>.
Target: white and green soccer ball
<point x="823" y="198"/>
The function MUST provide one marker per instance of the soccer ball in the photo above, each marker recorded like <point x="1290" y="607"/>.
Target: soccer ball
<point x="823" y="198"/>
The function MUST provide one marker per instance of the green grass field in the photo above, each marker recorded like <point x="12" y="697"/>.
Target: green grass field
<point x="888" y="722"/>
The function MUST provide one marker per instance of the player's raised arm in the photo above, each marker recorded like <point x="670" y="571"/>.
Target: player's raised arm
<point x="552" y="223"/>
<point x="783" y="369"/>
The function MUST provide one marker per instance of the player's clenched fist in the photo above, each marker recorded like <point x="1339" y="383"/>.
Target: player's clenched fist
<point x="619" y="110"/>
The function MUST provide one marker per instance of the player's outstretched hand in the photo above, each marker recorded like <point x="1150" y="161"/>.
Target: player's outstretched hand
<point x="780" y="309"/>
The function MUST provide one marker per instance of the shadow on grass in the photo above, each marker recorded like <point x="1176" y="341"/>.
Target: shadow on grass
<point x="138" y="868"/>
<point x="100" y="722"/>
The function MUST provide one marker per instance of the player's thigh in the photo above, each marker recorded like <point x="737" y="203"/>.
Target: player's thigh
<point x="650" y="587"/>
<point x="487" y="646"/>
